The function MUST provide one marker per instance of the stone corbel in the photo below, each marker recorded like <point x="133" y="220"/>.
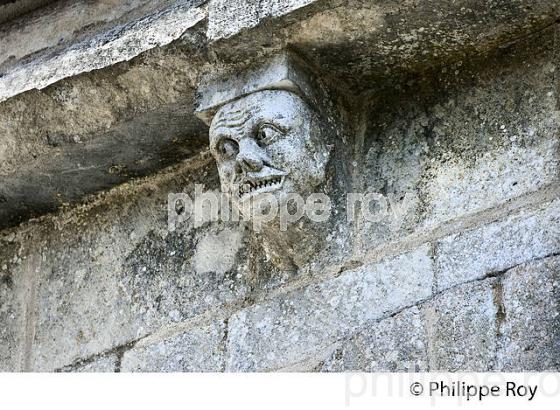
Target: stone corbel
<point x="274" y="132"/>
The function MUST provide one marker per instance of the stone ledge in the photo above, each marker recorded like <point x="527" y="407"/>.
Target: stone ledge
<point x="383" y="38"/>
<point x="359" y="46"/>
<point x="104" y="50"/>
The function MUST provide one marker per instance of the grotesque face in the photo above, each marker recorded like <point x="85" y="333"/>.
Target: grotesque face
<point x="268" y="142"/>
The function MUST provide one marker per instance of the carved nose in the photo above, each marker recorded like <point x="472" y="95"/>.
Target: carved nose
<point x="249" y="163"/>
<point x="249" y="159"/>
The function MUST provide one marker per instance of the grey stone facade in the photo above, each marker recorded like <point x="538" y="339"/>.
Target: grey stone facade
<point x="450" y="114"/>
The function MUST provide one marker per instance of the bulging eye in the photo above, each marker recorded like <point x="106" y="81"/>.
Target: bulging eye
<point x="267" y="134"/>
<point x="228" y="148"/>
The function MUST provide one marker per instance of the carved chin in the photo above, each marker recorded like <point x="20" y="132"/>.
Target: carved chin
<point x="253" y="188"/>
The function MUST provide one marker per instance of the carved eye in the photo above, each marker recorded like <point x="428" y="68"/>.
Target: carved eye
<point x="267" y="134"/>
<point x="228" y="148"/>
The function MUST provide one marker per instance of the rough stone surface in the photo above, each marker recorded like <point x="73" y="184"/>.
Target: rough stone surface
<point x="97" y="162"/>
<point x="462" y="327"/>
<point x="530" y="317"/>
<point x="498" y="246"/>
<point x="92" y="132"/>
<point x="16" y="270"/>
<point x="227" y="18"/>
<point x="285" y="330"/>
<point x="449" y="109"/>
<point x="474" y="136"/>
<point x="197" y="350"/>
<point x="12" y="310"/>
<point x="57" y="25"/>
<point x="120" y="282"/>
<point x="398" y="343"/>
<point x="390" y="37"/>
<point x="11" y="9"/>
<point x="120" y="43"/>
<point x="103" y="364"/>
<point x="360" y="46"/>
<point x="217" y="252"/>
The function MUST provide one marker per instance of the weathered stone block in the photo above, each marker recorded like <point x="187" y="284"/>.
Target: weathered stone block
<point x="121" y="281"/>
<point x="227" y="18"/>
<point x="398" y="343"/>
<point x="12" y="325"/>
<point x="276" y="8"/>
<point x="67" y="24"/>
<point x="498" y="246"/>
<point x="461" y="326"/>
<point x="461" y="187"/>
<point x="199" y="349"/>
<point x="13" y="311"/>
<point x="103" y="364"/>
<point x="89" y="310"/>
<point x="530" y="317"/>
<point x="217" y="252"/>
<point x="108" y="48"/>
<point x="285" y="330"/>
<point x="470" y="139"/>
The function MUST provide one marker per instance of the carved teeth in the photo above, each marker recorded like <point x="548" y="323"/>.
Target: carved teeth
<point x="251" y="186"/>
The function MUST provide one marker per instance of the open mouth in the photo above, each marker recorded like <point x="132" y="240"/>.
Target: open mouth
<point x="250" y="187"/>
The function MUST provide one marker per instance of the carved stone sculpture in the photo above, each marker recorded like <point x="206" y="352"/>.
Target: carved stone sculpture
<point x="268" y="142"/>
<point x="275" y="143"/>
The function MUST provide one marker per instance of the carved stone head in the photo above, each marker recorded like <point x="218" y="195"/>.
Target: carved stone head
<point x="273" y="132"/>
<point x="271" y="142"/>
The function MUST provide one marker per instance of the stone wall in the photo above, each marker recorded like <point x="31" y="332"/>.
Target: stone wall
<point x="466" y="278"/>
